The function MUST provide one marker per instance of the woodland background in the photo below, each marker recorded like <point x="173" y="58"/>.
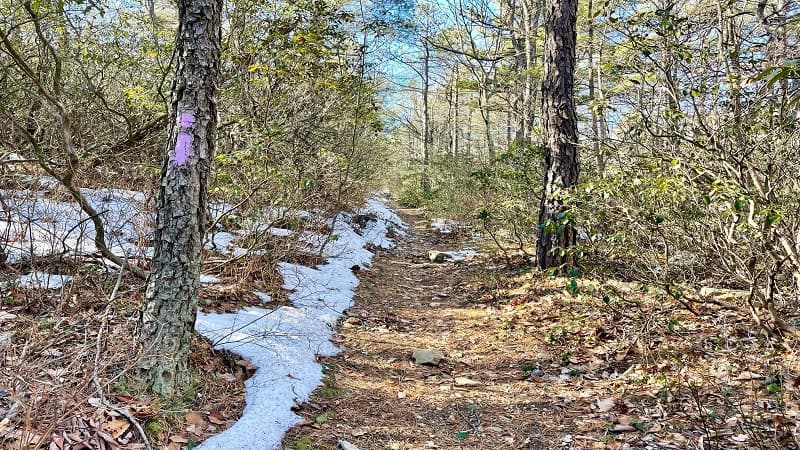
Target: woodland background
<point x="687" y="116"/>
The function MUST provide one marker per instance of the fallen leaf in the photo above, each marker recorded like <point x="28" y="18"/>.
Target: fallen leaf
<point x="57" y="374"/>
<point x="108" y="440"/>
<point x="52" y="353"/>
<point x="229" y="377"/>
<point x="748" y="376"/>
<point x="56" y="443"/>
<point x="606" y="404"/>
<point x="247" y="365"/>
<point x="732" y="422"/>
<point x="216" y="418"/>
<point x="195" y="418"/>
<point x="178" y="439"/>
<point x="19" y="440"/>
<point x="116" y="427"/>
<point x="347" y="446"/>
<point x="467" y="382"/>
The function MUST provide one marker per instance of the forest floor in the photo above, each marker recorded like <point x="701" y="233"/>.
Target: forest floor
<point x="527" y="361"/>
<point x="534" y="362"/>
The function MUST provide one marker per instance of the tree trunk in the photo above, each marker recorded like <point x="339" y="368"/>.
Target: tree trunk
<point x="468" y="135"/>
<point x="454" y="125"/>
<point x="556" y="233"/>
<point x="483" y="106"/>
<point x="452" y="114"/>
<point x="531" y="34"/>
<point x="517" y="38"/>
<point x="170" y="307"/>
<point x="596" y="144"/>
<point x="509" y="128"/>
<point x="527" y="64"/>
<point x="426" y="117"/>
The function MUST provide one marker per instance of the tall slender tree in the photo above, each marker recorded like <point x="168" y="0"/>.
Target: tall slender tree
<point x="170" y="306"/>
<point x="427" y="136"/>
<point x="556" y="233"/>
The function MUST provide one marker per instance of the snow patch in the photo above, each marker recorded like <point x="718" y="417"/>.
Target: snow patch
<point x="41" y="280"/>
<point x="12" y="157"/>
<point x="42" y="226"/>
<point x="209" y="279"/>
<point x="442" y="226"/>
<point x="280" y="232"/>
<point x="283" y="343"/>
<point x="221" y="241"/>
<point x="460" y="255"/>
<point x="263" y="296"/>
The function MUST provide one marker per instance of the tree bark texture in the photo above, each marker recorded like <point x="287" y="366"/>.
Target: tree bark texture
<point x="560" y="135"/>
<point x="170" y="307"/>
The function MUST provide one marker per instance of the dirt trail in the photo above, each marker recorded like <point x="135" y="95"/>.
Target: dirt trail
<point x="536" y="362"/>
<point x="375" y="397"/>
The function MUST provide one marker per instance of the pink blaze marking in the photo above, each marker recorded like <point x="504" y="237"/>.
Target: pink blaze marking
<point x="182" y="148"/>
<point x="186" y="120"/>
<point x="184" y="145"/>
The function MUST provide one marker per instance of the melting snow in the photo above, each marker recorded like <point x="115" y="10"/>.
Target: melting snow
<point x="40" y="225"/>
<point x="460" y="255"/>
<point x="442" y="226"/>
<point x="221" y="241"/>
<point x="41" y="280"/>
<point x="263" y="296"/>
<point x="284" y="342"/>
<point x="209" y="279"/>
<point x="280" y="232"/>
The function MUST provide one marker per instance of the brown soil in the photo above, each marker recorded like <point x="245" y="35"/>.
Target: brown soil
<point x="532" y="365"/>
